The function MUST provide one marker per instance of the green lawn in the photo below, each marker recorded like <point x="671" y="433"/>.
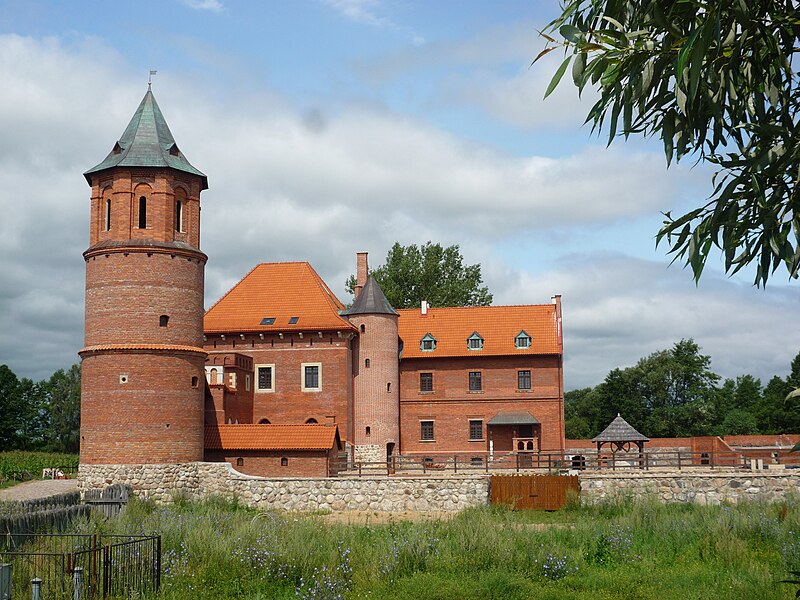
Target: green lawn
<point x="629" y="550"/>
<point x="19" y="465"/>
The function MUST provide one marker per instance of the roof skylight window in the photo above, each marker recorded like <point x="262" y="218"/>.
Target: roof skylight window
<point x="293" y="320"/>
<point x="427" y="343"/>
<point x="475" y="341"/>
<point x="268" y="321"/>
<point x="523" y="340"/>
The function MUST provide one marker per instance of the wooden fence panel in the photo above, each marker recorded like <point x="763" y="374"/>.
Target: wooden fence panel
<point x="537" y="492"/>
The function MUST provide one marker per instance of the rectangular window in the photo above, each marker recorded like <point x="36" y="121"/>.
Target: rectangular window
<point x="475" y="384"/>
<point x="311" y="377"/>
<point x="426" y="431"/>
<point x="523" y="380"/>
<point x="179" y="216"/>
<point x="265" y="378"/>
<point x="476" y="429"/>
<point x="426" y="382"/>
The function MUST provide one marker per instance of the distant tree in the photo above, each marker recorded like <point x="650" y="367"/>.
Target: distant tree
<point x="9" y="408"/>
<point x="739" y="422"/>
<point x="34" y="415"/>
<point x="63" y="391"/>
<point x="713" y="79"/>
<point x="428" y="272"/>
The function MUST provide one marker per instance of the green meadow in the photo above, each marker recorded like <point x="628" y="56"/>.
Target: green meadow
<point x="631" y="549"/>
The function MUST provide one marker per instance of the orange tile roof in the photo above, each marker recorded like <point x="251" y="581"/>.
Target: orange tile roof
<point x="280" y="291"/>
<point x="497" y="325"/>
<point x="271" y="437"/>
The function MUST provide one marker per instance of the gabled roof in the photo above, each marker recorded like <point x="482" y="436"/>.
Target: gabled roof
<point x="371" y="301"/>
<point x="498" y="326"/>
<point x="280" y="291"/>
<point x="147" y="142"/>
<point x="619" y="430"/>
<point x="272" y="437"/>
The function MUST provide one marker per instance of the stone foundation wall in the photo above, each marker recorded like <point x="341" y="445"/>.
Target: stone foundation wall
<point x="200" y="480"/>
<point x="702" y="487"/>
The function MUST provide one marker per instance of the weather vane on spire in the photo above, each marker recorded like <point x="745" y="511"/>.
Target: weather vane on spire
<point x="150" y="78"/>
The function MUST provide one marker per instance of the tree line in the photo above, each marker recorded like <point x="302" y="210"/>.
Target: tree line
<point x="43" y="415"/>
<point x="674" y="393"/>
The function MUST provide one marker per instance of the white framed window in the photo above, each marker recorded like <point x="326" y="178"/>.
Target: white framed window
<point x="265" y="378"/>
<point x="311" y="377"/>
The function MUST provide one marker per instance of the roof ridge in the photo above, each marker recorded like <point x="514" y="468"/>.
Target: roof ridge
<point x="328" y="294"/>
<point x="435" y="308"/>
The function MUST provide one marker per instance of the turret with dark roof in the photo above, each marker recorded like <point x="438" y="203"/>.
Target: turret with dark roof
<point x="147" y="142"/>
<point x="371" y="301"/>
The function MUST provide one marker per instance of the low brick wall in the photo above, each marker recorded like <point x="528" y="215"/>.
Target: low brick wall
<point x="702" y="487"/>
<point x="200" y="480"/>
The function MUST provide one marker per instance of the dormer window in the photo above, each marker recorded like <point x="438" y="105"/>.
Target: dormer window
<point x="427" y="343"/>
<point x="173" y="150"/>
<point x="523" y="340"/>
<point x="475" y="341"/>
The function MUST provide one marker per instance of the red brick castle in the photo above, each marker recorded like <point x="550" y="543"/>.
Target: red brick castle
<point x="279" y="377"/>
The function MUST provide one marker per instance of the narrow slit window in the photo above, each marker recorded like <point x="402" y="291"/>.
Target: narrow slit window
<point x="108" y="214"/>
<point x="142" y="213"/>
<point x="179" y="216"/>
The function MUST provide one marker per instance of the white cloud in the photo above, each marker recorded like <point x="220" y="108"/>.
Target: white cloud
<point x="319" y="186"/>
<point x="212" y="5"/>
<point x="360" y="11"/>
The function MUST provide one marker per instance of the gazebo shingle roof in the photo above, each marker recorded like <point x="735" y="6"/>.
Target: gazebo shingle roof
<point x="619" y="430"/>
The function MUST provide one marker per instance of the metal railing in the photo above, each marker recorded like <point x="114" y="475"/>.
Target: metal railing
<point x="56" y="566"/>
<point x="477" y="462"/>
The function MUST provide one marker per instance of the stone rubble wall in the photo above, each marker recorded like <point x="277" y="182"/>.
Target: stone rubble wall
<point x="200" y="480"/>
<point x="372" y="453"/>
<point x="701" y="487"/>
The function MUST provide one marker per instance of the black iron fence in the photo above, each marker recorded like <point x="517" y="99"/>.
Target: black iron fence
<point x="431" y="464"/>
<point x="56" y="566"/>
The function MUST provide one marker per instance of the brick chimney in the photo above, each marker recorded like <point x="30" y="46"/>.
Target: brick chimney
<point x="362" y="270"/>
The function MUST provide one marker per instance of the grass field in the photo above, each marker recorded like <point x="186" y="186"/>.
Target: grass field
<point x="17" y="465"/>
<point x="628" y="550"/>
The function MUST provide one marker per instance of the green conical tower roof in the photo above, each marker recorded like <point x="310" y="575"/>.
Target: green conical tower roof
<point x="147" y="142"/>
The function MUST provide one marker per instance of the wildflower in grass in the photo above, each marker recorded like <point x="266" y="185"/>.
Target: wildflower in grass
<point x="409" y="552"/>
<point x="611" y="545"/>
<point x="790" y="550"/>
<point x="175" y="561"/>
<point x="554" y="566"/>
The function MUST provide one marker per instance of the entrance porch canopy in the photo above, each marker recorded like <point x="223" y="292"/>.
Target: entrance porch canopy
<point x="514" y="418"/>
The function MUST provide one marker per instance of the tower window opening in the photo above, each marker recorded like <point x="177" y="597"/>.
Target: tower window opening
<point x="239" y="462"/>
<point x="163" y="320"/>
<point x="284" y="461"/>
<point x="366" y="363"/>
<point x="179" y="216"/>
<point x="194" y="382"/>
<point x="142" y="213"/>
<point x="367" y="431"/>
<point x="108" y="214"/>
<point x="389" y="387"/>
<point x="363" y="328"/>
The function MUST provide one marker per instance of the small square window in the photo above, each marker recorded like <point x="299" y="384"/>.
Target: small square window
<point x="265" y="378"/>
<point x="475" y="381"/>
<point x="426" y="382"/>
<point x="426" y="431"/>
<point x="476" y="429"/>
<point x="523" y="380"/>
<point x="284" y="461"/>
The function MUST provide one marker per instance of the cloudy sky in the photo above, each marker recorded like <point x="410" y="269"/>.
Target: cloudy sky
<point x="331" y="126"/>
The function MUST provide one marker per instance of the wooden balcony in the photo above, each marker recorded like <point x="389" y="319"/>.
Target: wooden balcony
<point x="525" y="445"/>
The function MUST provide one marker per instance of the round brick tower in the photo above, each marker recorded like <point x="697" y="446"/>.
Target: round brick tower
<point x="376" y="380"/>
<point x="142" y="384"/>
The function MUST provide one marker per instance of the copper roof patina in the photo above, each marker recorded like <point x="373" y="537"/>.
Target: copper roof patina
<point x="619" y="430"/>
<point x="371" y="301"/>
<point x="147" y="142"/>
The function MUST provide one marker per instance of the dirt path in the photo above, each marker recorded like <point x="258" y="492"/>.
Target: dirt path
<point x="382" y="518"/>
<point x="34" y="490"/>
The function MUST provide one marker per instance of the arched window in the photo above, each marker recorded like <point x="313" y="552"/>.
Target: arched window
<point x="239" y="462"/>
<point x="366" y="363"/>
<point x="213" y="377"/>
<point x="108" y="214"/>
<point x="363" y="328"/>
<point x="142" y="213"/>
<point x="179" y="216"/>
<point x="311" y="421"/>
<point x="264" y="422"/>
<point x="367" y="431"/>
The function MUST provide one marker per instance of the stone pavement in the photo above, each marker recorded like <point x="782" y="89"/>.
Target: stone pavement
<point x="35" y="490"/>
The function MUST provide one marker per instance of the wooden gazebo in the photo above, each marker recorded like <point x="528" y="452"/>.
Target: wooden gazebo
<point x="620" y="437"/>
